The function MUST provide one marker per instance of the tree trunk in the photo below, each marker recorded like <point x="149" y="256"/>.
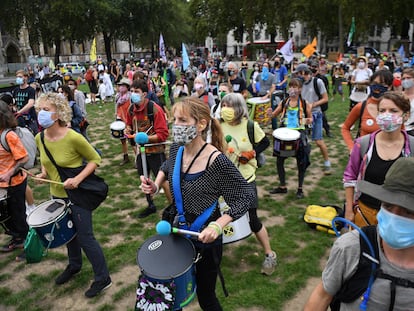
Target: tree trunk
<point x="57" y="51"/>
<point x="107" y="42"/>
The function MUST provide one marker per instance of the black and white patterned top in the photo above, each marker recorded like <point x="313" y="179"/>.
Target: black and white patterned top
<point x="221" y="178"/>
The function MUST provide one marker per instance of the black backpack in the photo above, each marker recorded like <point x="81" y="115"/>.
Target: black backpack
<point x="324" y="107"/>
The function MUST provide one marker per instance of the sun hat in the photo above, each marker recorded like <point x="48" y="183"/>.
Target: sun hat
<point x="302" y="68"/>
<point x="125" y="81"/>
<point x="363" y="58"/>
<point x="398" y="187"/>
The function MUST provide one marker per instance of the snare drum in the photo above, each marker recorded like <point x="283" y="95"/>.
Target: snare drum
<point x="235" y="230"/>
<point x="4" y="212"/>
<point x="53" y="223"/>
<point x="257" y="108"/>
<point x="286" y="142"/>
<point x="117" y="129"/>
<point x="167" y="264"/>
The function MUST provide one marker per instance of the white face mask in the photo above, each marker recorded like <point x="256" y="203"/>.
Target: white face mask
<point x="361" y="65"/>
<point x="407" y="83"/>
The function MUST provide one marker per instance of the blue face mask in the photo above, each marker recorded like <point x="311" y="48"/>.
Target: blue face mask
<point x="135" y="98"/>
<point x="19" y="81"/>
<point x="265" y="73"/>
<point x="397" y="231"/>
<point x="44" y="118"/>
<point x="377" y="90"/>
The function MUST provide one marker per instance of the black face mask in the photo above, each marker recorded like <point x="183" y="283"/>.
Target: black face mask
<point x="277" y="63"/>
<point x="314" y="70"/>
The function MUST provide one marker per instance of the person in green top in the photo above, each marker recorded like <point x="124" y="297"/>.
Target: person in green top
<point x="70" y="149"/>
<point x="294" y="113"/>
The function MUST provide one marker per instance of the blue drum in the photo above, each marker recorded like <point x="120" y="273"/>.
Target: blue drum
<point x="167" y="281"/>
<point x="53" y="223"/>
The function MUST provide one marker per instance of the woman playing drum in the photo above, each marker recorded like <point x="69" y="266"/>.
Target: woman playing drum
<point x="235" y="120"/>
<point x="205" y="174"/>
<point x="70" y="149"/>
<point x="295" y="112"/>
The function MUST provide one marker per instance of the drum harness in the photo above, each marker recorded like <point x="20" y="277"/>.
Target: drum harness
<point x="201" y="219"/>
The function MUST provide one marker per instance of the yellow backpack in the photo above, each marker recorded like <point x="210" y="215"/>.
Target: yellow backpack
<point x="320" y="217"/>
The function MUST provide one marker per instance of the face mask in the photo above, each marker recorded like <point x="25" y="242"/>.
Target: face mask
<point x="389" y="122"/>
<point x="198" y="86"/>
<point x="314" y="70"/>
<point x="256" y="68"/>
<point x="301" y="79"/>
<point x="377" y="90"/>
<point x="44" y="118"/>
<point x="135" y="98"/>
<point x="222" y="94"/>
<point x="407" y="83"/>
<point x="265" y="73"/>
<point x="396" y="230"/>
<point x="230" y="72"/>
<point x="293" y="92"/>
<point x="361" y="65"/>
<point x="19" y="81"/>
<point x="227" y="114"/>
<point x="72" y="87"/>
<point x="184" y="134"/>
<point x="277" y="63"/>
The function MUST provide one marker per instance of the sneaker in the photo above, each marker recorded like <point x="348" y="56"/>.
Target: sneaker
<point x="327" y="170"/>
<point x="278" y="190"/>
<point x="12" y="245"/>
<point x="97" y="287"/>
<point x="148" y="211"/>
<point x="300" y="194"/>
<point x="21" y="257"/>
<point x="66" y="275"/>
<point x="269" y="264"/>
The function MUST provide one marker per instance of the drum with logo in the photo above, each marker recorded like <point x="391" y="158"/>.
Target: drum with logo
<point x="53" y="223"/>
<point x="4" y="212"/>
<point x="286" y="142"/>
<point x="167" y="264"/>
<point x="257" y="108"/>
<point x="235" y="230"/>
<point x="117" y="129"/>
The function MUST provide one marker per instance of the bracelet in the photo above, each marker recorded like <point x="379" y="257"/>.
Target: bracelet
<point x="157" y="189"/>
<point x="216" y="226"/>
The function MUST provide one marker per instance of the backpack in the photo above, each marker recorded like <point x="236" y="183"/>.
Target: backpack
<point x="324" y="107"/>
<point x="33" y="247"/>
<point x="320" y="217"/>
<point x="260" y="157"/>
<point x="363" y="105"/>
<point x="357" y="284"/>
<point x="364" y="142"/>
<point x="89" y="75"/>
<point x="27" y="140"/>
<point x="150" y="111"/>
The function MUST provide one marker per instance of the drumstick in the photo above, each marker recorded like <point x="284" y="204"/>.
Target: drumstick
<point x="141" y="138"/>
<point x="164" y="228"/>
<point x="41" y="179"/>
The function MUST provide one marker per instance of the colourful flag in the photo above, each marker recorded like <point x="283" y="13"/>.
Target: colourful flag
<point x="186" y="60"/>
<point x="166" y="93"/>
<point x="351" y="32"/>
<point x="162" y="49"/>
<point x="287" y="50"/>
<point x="310" y="48"/>
<point x="401" y="51"/>
<point x="92" y="55"/>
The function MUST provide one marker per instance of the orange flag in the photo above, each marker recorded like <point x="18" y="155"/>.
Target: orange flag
<point x="339" y="58"/>
<point x="310" y="48"/>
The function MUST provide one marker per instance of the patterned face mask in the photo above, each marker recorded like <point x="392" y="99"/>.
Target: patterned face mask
<point x="389" y="122"/>
<point x="184" y="134"/>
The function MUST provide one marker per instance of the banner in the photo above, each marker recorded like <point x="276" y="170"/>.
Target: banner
<point x="351" y="32"/>
<point x="401" y="51"/>
<point x="186" y="60"/>
<point x="162" y="49"/>
<point x="287" y="50"/>
<point x="310" y="48"/>
<point x="92" y="55"/>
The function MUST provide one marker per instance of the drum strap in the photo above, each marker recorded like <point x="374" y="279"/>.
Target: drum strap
<point x="176" y="180"/>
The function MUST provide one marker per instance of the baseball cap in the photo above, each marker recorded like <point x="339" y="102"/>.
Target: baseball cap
<point x="302" y="68"/>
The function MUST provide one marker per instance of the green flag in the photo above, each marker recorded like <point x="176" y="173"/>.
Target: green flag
<point x="351" y="32"/>
<point x="166" y="93"/>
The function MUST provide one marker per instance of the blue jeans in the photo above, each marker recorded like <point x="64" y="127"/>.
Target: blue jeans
<point x="85" y="240"/>
<point x="317" y="125"/>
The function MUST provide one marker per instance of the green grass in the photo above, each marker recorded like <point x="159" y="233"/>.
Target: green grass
<point x="121" y="233"/>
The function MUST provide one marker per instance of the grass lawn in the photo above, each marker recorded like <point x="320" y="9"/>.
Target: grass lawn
<point x="121" y="233"/>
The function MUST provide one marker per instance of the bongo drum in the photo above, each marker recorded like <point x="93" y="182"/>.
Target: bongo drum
<point x="117" y="129"/>
<point x="235" y="230"/>
<point x="4" y="212"/>
<point x="286" y="142"/>
<point x="167" y="264"/>
<point x="53" y="223"/>
<point x="257" y="108"/>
